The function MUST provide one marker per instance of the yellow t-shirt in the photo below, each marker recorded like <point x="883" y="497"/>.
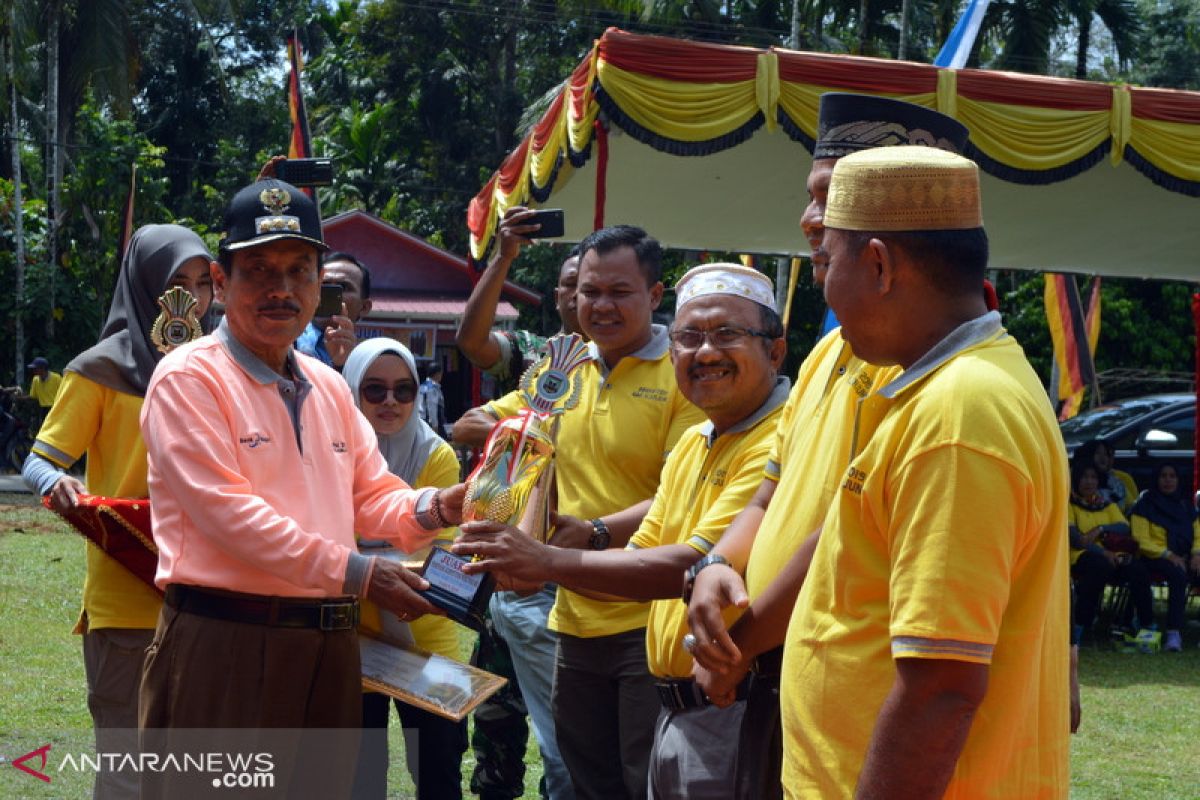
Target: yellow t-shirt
<point x="1152" y="538"/>
<point x="611" y="449"/>
<point x="431" y="632"/>
<point x="945" y="540"/>
<point x="44" y="391"/>
<point x="814" y="442"/>
<point x="704" y="486"/>
<point x="1085" y="519"/>
<point x="102" y="422"/>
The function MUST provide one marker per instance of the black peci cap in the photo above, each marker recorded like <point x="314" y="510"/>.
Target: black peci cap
<point x="848" y="123"/>
<point x="270" y="210"/>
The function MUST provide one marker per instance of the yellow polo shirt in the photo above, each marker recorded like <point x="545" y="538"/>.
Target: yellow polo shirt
<point x="705" y="484"/>
<point x="102" y="422"/>
<point x="945" y="540"/>
<point x="430" y="632"/>
<point x="45" y="391"/>
<point x="813" y="445"/>
<point x="611" y="449"/>
<point x="1085" y="519"/>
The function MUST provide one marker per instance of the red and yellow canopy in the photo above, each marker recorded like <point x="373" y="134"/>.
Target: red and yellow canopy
<point x="707" y="146"/>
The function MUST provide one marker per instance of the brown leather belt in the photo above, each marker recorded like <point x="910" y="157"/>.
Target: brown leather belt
<point x="332" y="614"/>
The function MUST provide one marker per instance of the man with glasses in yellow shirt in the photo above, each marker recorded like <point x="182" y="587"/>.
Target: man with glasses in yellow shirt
<point x="727" y="346"/>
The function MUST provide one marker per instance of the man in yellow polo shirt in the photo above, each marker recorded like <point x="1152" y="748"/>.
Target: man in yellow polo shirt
<point x="771" y="541"/>
<point x="611" y="449"/>
<point x="937" y="595"/>
<point x="727" y="347"/>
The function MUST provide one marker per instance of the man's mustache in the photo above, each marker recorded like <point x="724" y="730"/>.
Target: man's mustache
<point x="285" y="306"/>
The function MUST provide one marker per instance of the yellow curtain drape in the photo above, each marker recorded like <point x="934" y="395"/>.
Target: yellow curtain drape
<point x="684" y="112"/>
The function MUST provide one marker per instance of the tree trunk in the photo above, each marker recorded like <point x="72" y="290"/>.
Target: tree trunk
<point x="902" y="54"/>
<point x="18" y="206"/>
<point x="794" y="35"/>
<point x="864" y="8"/>
<point x="53" y="155"/>
<point x="1085" y="36"/>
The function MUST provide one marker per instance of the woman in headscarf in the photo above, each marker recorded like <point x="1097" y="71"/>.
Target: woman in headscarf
<point x="96" y="413"/>
<point x="1167" y="531"/>
<point x="382" y="374"/>
<point x="1100" y="544"/>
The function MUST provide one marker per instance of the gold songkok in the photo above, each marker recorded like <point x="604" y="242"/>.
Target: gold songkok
<point x="904" y="188"/>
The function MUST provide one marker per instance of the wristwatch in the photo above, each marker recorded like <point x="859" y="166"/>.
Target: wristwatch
<point x="689" y="577"/>
<point x="600" y="538"/>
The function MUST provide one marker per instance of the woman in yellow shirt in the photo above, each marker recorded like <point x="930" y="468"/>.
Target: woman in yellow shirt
<point x="1166" y="528"/>
<point x="1102" y="551"/>
<point x="382" y="376"/>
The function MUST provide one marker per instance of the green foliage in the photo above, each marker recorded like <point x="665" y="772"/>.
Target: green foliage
<point x="418" y="103"/>
<point x="1170" y="46"/>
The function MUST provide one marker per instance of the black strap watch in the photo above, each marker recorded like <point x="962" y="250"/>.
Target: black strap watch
<point x="600" y="538"/>
<point x="689" y="576"/>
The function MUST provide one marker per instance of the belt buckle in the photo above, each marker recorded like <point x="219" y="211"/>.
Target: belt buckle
<point x="338" y="616"/>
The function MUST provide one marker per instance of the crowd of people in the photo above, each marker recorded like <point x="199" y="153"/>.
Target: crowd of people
<point x="1131" y="541"/>
<point x="754" y="587"/>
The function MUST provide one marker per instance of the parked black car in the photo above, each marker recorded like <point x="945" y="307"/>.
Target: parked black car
<point x="1143" y="432"/>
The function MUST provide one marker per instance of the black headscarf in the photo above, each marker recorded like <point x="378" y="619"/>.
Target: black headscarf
<point x="1171" y="512"/>
<point x="124" y="358"/>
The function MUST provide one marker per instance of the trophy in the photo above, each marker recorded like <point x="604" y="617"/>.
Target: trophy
<point x="176" y="323"/>
<point x="514" y="481"/>
<point x="515" y="478"/>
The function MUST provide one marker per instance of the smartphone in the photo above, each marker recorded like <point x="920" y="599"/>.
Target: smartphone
<point x="552" y="221"/>
<point x="305" y="171"/>
<point x="331" y="300"/>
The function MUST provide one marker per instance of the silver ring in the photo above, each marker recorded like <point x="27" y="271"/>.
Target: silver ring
<point x="689" y="642"/>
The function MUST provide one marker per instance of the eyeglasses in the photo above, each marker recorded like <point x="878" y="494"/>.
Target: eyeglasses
<point x="376" y="393"/>
<point x="726" y="337"/>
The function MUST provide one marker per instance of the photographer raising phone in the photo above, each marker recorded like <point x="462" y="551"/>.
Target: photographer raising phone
<point x="331" y="337"/>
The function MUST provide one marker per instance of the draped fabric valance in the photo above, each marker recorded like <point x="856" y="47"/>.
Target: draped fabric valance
<point x="693" y="99"/>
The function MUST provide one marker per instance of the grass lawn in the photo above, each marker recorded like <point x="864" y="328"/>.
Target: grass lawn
<point x="1140" y="736"/>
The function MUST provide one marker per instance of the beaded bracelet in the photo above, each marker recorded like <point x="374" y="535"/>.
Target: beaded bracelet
<point x="435" y="511"/>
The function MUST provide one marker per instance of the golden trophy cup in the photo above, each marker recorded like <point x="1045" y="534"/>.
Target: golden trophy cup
<point x="514" y="481"/>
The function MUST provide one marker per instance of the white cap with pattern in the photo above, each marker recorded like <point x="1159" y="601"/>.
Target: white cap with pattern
<point x="721" y="278"/>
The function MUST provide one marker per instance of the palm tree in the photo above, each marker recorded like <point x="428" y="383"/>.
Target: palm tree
<point x="1121" y="17"/>
<point x="1024" y="29"/>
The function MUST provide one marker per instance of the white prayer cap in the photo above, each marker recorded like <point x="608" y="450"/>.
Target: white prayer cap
<point x="733" y="279"/>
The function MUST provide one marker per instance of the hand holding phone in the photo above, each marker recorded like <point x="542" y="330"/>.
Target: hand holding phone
<point x="305" y="171"/>
<point x="551" y="220"/>
<point x="331" y="301"/>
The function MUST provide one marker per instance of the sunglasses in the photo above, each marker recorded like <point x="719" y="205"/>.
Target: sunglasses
<point x="376" y="393"/>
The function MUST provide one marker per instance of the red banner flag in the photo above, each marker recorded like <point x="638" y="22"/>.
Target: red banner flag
<point x="1070" y="333"/>
<point x="300" y="144"/>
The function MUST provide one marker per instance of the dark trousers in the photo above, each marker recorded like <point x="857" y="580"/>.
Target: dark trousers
<point x="605" y="707"/>
<point x="501" y="730"/>
<point x="433" y="749"/>
<point x="760" y="741"/>
<point x="1177" y="589"/>
<point x="291" y="694"/>
<point x="1090" y="573"/>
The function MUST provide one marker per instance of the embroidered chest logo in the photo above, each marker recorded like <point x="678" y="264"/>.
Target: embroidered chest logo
<point x="717" y="477"/>
<point x="861" y="382"/>
<point x="651" y="393"/>
<point x="854" y="480"/>
<point x="254" y="440"/>
<point x="339" y="446"/>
